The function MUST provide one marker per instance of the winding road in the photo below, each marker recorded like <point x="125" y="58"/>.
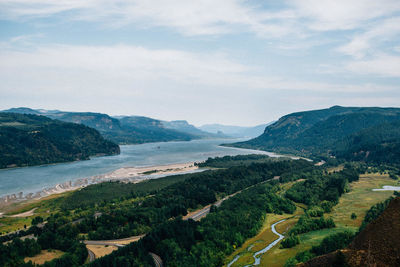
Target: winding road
<point x="157" y="260"/>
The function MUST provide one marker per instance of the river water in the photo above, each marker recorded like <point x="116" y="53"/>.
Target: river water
<point x="33" y="179"/>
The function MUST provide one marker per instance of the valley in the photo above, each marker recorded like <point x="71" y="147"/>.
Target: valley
<point x="281" y="210"/>
<point x="199" y="133"/>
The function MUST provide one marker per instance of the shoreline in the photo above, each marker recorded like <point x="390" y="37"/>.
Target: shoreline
<point x="125" y="174"/>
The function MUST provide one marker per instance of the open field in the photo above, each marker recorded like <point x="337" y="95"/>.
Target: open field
<point x="358" y="200"/>
<point x="45" y="256"/>
<point x="264" y="237"/>
<point x="19" y="214"/>
<point x="361" y="198"/>
<point x="101" y="250"/>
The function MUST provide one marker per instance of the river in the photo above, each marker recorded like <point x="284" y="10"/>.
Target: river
<point x="33" y="179"/>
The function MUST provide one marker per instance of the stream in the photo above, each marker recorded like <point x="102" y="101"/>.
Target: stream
<point x="257" y="259"/>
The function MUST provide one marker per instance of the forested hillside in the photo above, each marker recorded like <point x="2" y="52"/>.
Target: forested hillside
<point x="380" y="144"/>
<point x="32" y="140"/>
<point x="185" y="127"/>
<point x="124" y="129"/>
<point x="360" y="133"/>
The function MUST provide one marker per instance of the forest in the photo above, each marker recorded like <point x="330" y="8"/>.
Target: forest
<point x="27" y="140"/>
<point x="347" y="133"/>
<point x="156" y="208"/>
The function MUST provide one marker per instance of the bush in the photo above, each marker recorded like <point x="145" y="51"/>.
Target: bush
<point x="292" y="262"/>
<point x="315" y="211"/>
<point x="290" y="242"/>
<point x="333" y="242"/>
<point x="306" y="224"/>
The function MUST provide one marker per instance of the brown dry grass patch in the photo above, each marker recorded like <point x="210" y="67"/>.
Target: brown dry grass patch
<point x="101" y="250"/>
<point x="44" y="256"/>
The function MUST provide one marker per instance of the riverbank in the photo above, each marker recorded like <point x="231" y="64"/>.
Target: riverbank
<point x="126" y="174"/>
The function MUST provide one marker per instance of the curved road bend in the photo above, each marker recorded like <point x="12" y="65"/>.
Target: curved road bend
<point x="113" y="242"/>
<point x="157" y="260"/>
<point x="92" y="257"/>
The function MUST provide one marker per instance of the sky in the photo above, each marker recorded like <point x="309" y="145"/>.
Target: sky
<point x="227" y="61"/>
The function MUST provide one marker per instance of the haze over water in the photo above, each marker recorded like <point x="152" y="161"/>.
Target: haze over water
<point x="36" y="178"/>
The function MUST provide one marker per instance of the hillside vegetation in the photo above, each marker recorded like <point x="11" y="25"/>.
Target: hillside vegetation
<point x="370" y="134"/>
<point x="32" y="140"/>
<point x="375" y="245"/>
<point x="126" y="129"/>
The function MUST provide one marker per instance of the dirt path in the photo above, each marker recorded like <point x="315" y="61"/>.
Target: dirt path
<point x="24" y="214"/>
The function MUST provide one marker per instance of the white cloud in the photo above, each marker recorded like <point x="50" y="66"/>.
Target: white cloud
<point x="381" y="32"/>
<point x="124" y="68"/>
<point x="203" y="17"/>
<point x="325" y="15"/>
<point x="382" y="65"/>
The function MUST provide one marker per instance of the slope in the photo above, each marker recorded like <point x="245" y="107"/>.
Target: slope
<point x="122" y="130"/>
<point x="378" y="244"/>
<point x="318" y="132"/>
<point x="32" y="140"/>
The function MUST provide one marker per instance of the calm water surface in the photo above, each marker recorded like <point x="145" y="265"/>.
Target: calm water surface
<point x="33" y="179"/>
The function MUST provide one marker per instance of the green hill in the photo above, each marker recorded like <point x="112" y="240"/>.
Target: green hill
<point x="137" y="129"/>
<point x="380" y="144"/>
<point x="27" y="139"/>
<point x="122" y="130"/>
<point x="326" y="132"/>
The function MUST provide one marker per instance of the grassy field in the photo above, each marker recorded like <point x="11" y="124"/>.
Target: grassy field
<point x="361" y="198"/>
<point x="358" y="200"/>
<point x="101" y="250"/>
<point x="265" y="237"/>
<point x="43" y="208"/>
<point x="44" y="256"/>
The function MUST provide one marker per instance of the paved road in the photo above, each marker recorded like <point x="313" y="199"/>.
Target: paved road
<point x="198" y="215"/>
<point x="92" y="257"/>
<point x="90" y="242"/>
<point x="157" y="260"/>
<point x="113" y="242"/>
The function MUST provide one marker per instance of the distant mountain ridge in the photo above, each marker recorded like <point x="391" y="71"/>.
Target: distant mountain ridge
<point x="184" y="126"/>
<point x="125" y="129"/>
<point x="28" y="139"/>
<point x="326" y="132"/>
<point x="235" y="131"/>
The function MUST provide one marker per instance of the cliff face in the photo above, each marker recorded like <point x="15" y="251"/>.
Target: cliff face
<point x="377" y="245"/>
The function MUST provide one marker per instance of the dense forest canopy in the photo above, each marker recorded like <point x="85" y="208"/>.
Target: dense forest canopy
<point x="126" y="129"/>
<point x="368" y="134"/>
<point x="32" y="140"/>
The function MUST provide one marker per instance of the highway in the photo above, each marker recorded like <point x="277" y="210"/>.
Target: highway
<point x="92" y="257"/>
<point x="157" y="260"/>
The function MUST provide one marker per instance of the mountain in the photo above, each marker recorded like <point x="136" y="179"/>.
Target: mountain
<point x="185" y="127"/>
<point x="27" y="139"/>
<point x="137" y="129"/>
<point x="378" y="244"/>
<point x="380" y="144"/>
<point x="234" y="131"/>
<point x="99" y="121"/>
<point x="320" y="132"/>
<point x="121" y="129"/>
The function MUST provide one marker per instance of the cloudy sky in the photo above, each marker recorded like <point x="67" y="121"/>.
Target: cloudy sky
<point x="206" y="61"/>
